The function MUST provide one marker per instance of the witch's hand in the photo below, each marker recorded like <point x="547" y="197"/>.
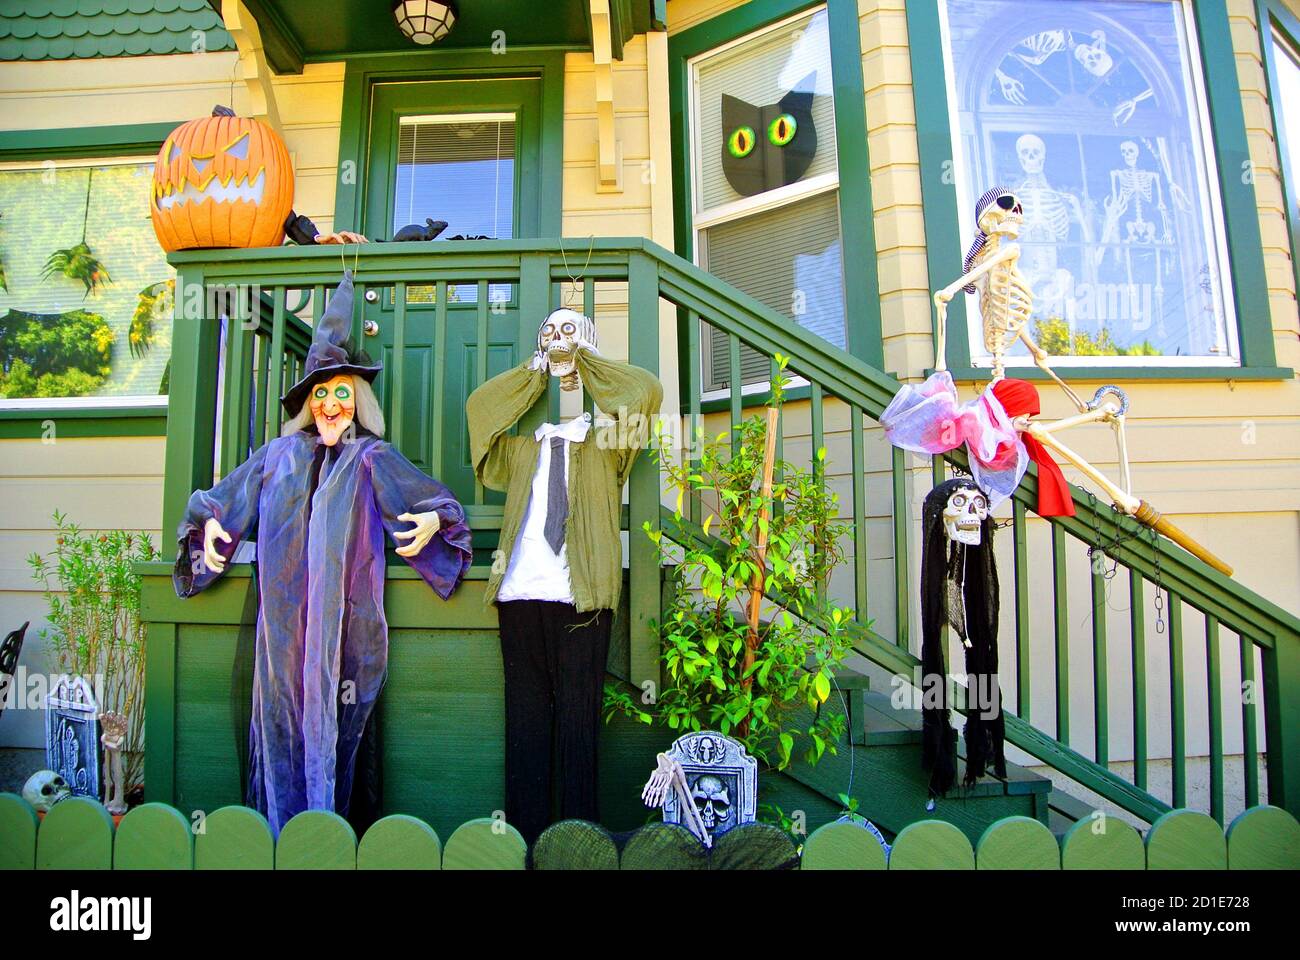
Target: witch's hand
<point x="342" y="236"/>
<point x="212" y="532"/>
<point x="426" y="525"/>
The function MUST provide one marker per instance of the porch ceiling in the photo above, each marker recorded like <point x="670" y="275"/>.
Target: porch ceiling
<point x="294" y="32"/>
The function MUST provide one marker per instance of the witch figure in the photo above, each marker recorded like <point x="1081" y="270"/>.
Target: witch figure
<point x="318" y="500"/>
<point x="959" y="588"/>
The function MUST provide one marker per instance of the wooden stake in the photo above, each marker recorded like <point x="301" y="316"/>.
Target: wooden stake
<point x="760" y="573"/>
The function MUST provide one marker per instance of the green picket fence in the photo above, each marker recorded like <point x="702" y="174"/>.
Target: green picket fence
<point x="79" y="834"/>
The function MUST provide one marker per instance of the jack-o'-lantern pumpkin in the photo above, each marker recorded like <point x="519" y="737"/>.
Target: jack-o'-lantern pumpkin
<point x="221" y="181"/>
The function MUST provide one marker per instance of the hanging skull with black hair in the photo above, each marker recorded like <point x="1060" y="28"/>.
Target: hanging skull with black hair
<point x="558" y="340"/>
<point x="964" y="514"/>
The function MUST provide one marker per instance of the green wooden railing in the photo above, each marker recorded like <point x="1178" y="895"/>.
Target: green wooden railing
<point x="79" y="834"/>
<point x="844" y="396"/>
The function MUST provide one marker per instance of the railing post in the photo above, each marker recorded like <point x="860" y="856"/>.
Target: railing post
<point x="192" y="397"/>
<point x="643" y="483"/>
<point x="1281" y="664"/>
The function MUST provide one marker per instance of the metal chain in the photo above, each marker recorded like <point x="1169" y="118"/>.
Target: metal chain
<point x="1159" y="583"/>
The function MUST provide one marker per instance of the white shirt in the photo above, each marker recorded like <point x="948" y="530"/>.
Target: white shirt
<point x="535" y="572"/>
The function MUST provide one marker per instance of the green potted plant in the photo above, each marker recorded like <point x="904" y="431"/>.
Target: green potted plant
<point x="749" y="647"/>
<point x="93" y="601"/>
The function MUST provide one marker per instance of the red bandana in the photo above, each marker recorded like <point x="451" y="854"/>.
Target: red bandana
<point x="1020" y="398"/>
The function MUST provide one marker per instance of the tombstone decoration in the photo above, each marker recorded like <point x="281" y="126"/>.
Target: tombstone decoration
<point x="72" y="735"/>
<point x="10" y="647"/>
<point x="722" y="779"/>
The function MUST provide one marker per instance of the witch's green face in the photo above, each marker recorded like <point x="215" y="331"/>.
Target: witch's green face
<point x="333" y="406"/>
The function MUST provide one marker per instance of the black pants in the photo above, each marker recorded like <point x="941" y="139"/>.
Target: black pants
<point x="554" y="660"/>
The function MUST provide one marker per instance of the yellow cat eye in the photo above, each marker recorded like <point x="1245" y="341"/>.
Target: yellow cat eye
<point x="741" y="142"/>
<point x="782" y="130"/>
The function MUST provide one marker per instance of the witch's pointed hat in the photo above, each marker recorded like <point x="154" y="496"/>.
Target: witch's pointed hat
<point x="332" y="350"/>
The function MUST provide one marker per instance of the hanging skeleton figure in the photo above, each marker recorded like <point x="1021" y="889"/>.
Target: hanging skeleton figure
<point x="959" y="588"/>
<point x="1006" y="304"/>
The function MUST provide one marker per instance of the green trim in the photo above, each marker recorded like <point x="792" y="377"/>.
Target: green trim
<point x="29" y="423"/>
<point x="283" y="49"/>
<point x="1240" y="214"/>
<point x="361" y="73"/>
<point x="857" y="230"/>
<point x="1270" y="15"/>
<point x="77" y="142"/>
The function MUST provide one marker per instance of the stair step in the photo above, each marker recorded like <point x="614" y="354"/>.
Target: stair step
<point x="1064" y="811"/>
<point x="885" y="725"/>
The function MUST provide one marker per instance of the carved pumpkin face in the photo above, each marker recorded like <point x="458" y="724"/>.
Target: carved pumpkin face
<point x="221" y="181"/>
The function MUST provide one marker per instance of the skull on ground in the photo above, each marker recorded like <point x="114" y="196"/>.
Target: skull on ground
<point x="44" y="789"/>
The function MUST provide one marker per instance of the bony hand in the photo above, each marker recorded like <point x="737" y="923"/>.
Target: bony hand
<point x="212" y="532"/>
<point x="343" y="236"/>
<point x="539" y="361"/>
<point x="426" y="525"/>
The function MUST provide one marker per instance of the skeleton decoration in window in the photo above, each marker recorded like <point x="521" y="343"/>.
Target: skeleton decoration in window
<point x="996" y="427"/>
<point x="707" y="783"/>
<point x="768" y="146"/>
<point x="959" y="588"/>
<point x="10" y="648"/>
<point x="44" y="789"/>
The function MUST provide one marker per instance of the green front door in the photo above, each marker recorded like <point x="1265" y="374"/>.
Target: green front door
<point x="467" y="152"/>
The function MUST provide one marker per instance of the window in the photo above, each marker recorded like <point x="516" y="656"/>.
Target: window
<point x="85" y="290"/>
<point x="463" y="167"/>
<point x="765" y="181"/>
<point x="1093" y="112"/>
<point x="1281" y="33"/>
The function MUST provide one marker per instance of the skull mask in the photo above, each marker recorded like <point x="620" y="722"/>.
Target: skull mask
<point x="44" y="789"/>
<point x="559" y="337"/>
<point x="964" y="515"/>
<point x="1002" y="215"/>
<point x="713" y="802"/>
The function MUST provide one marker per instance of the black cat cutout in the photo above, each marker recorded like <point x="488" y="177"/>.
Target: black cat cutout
<point x="770" y="146"/>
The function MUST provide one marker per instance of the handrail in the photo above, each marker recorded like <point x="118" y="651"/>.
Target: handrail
<point x="654" y="274"/>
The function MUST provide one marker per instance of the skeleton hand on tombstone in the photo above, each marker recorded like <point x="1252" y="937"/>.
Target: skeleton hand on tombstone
<point x="562" y="334"/>
<point x="426" y="525"/>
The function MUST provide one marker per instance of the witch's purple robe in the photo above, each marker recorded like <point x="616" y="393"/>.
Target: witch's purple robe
<point x="318" y="514"/>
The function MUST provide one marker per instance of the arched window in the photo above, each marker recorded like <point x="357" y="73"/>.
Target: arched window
<point x="1092" y="112"/>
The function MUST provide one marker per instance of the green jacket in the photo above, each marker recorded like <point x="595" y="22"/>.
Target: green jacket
<point x="598" y="467"/>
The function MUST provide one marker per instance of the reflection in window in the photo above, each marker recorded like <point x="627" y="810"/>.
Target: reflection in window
<point x="1090" y="111"/>
<point x="1286" y="103"/>
<point x="459" y="168"/>
<point x="85" y="290"/>
<point x="766" y="181"/>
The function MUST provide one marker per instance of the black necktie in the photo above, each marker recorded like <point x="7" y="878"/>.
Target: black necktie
<point x="557" y="498"/>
